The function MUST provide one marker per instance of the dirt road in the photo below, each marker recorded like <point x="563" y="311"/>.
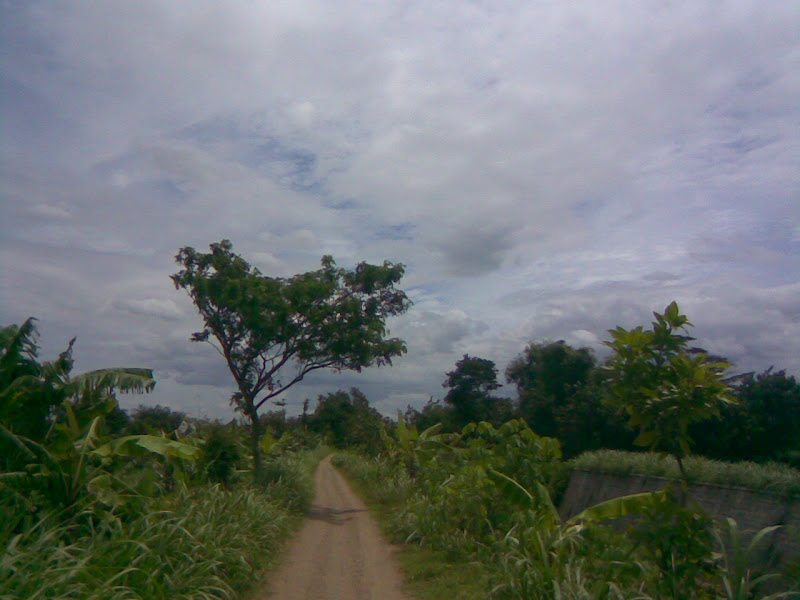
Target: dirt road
<point x="339" y="553"/>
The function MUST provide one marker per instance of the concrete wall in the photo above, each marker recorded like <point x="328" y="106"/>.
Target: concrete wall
<point x="751" y="510"/>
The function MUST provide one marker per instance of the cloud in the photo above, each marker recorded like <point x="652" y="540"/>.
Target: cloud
<point x="544" y="171"/>
<point x="476" y="249"/>
<point x="150" y="307"/>
<point x="58" y="212"/>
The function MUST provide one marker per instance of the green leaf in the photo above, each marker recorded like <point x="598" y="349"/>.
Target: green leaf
<point x="619" y="507"/>
<point x="647" y="438"/>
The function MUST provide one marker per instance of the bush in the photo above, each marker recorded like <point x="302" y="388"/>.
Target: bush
<point x="220" y="454"/>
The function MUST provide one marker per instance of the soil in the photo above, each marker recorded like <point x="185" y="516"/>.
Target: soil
<point x="339" y="553"/>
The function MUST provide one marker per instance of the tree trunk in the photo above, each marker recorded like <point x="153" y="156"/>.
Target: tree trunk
<point x="255" y="440"/>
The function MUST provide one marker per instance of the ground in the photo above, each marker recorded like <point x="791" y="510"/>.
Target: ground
<point x="339" y="553"/>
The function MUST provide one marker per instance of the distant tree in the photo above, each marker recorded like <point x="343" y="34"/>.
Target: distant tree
<point x="348" y="420"/>
<point x="220" y="454"/>
<point x="435" y="411"/>
<point x="772" y="403"/>
<point x="275" y="421"/>
<point x="154" y="419"/>
<point x="764" y="425"/>
<point x="560" y="395"/>
<point x="469" y="391"/>
<point x="547" y="375"/>
<point x="273" y="331"/>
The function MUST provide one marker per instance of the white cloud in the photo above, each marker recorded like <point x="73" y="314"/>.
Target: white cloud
<point x="543" y="170"/>
<point x="57" y="212"/>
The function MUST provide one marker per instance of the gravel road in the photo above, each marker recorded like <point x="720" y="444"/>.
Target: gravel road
<point x="339" y="553"/>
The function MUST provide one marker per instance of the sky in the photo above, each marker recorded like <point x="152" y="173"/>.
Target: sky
<point x="545" y="171"/>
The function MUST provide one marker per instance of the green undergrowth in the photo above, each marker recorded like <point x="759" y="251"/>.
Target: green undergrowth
<point x="430" y="574"/>
<point x="774" y="478"/>
<point x="200" y="542"/>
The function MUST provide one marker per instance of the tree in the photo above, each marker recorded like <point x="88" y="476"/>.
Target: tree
<point x="273" y="331"/>
<point x="155" y="419"/>
<point x="470" y="386"/>
<point x="764" y="425"/>
<point x="547" y="375"/>
<point x="662" y="384"/>
<point x="348" y="420"/>
<point x="560" y="396"/>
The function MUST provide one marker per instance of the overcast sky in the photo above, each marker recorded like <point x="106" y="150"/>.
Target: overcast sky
<point x="545" y="170"/>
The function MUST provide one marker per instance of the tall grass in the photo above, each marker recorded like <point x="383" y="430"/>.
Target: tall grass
<point x="772" y="478"/>
<point x="203" y="543"/>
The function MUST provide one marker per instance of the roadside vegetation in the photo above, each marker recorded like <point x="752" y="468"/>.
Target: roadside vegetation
<point x="482" y="498"/>
<point x="89" y="510"/>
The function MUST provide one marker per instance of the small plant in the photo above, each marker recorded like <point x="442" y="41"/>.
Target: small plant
<point x="739" y="578"/>
<point x="220" y="454"/>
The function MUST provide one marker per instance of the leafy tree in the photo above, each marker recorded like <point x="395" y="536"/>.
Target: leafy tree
<point x="470" y="385"/>
<point x="273" y="331"/>
<point x="348" y="420"/>
<point x="662" y="385"/>
<point x="771" y="401"/>
<point x="155" y="419"/>
<point x="560" y="396"/>
<point x="764" y="425"/>
<point x="435" y="411"/>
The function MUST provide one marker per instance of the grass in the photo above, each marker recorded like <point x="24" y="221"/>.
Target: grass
<point x="202" y="542"/>
<point x="773" y="478"/>
<point x="429" y="574"/>
<point x="434" y="575"/>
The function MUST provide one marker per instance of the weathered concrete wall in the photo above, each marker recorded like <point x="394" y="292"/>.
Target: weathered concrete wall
<point x="751" y="510"/>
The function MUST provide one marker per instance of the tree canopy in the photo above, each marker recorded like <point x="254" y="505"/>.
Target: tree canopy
<point x="273" y="331"/>
<point x="662" y="384"/>
<point x="469" y="391"/>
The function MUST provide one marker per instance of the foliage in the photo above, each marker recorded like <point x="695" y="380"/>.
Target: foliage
<point x="456" y="504"/>
<point x="155" y="419"/>
<point x="220" y="454"/>
<point x="560" y="395"/>
<point x="200" y="543"/>
<point x="546" y="376"/>
<point x="763" y="426"/>
<point x="771" y="478"/>
<point x="469" y="392"/>
<point x="274" y="331"/>
<point x="739" y="578"/>
<point x="348" y="421"/>
<point x="31" y="393"/>
<point x="414" y="448"/>
<point x="60" y="465"/>
<point x="661" y="385"/>
<point x="677" y="538"/>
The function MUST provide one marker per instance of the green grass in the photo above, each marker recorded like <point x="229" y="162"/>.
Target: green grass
<point x="771" y="478"/>
<point x="434" y="575"/>
<point x="203" y="542"/>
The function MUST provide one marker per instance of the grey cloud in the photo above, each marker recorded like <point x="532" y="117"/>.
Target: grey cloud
<point x="476" y="249"/>
<point x="151" y="307"/>
<point x="537" y="176"/>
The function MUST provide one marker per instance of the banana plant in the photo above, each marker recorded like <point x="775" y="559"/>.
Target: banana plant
<point x="539" y="501"/>
<point x="414" y="447"/>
